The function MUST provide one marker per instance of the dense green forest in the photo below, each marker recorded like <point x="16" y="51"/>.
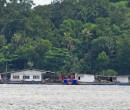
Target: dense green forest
<point x="67" y="36"/>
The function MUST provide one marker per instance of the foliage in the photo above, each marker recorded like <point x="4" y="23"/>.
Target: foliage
<point x="102" y="59"/>
<point x="108" y="72"/>
<point x="86" y="36"/>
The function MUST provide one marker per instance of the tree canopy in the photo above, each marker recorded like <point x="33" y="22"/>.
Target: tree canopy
<point x="86" y="36"/>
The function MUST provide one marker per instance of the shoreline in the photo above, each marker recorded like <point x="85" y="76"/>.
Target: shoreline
<point x="53" y="83"/>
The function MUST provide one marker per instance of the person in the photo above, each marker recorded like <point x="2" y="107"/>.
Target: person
<point x="60" y="78"/>
<point x="69" y="79"/>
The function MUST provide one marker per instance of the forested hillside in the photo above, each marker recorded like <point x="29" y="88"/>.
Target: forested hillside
<point x="67" y="36"/>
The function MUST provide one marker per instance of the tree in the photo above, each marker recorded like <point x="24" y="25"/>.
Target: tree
<point x="108" y="72"/>
<point x="87" y="36"/>
<point x="123" y="53"/>
<point x="56" y="59"/>
<point x="105" y="43"/>
<point x="103" y="26"/>
<point x="2" y="4"/>
<point x="102" y="60"/>
<point x="3" y="41"/>
<point x="85" y="64"/>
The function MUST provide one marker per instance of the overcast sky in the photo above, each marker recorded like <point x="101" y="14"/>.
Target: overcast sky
<point x="42" y="2"/>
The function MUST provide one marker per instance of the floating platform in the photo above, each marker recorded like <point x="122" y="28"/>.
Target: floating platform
<point x="66" y="82"/>
<point x="70" y="82"/>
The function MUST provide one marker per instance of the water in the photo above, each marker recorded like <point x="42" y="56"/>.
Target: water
<point x="64" y="97"/>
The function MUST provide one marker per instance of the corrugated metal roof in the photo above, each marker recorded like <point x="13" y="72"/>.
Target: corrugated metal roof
<point x="27" y="70"/>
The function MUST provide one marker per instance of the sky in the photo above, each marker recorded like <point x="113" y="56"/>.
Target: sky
<point x="42" y="2"/>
